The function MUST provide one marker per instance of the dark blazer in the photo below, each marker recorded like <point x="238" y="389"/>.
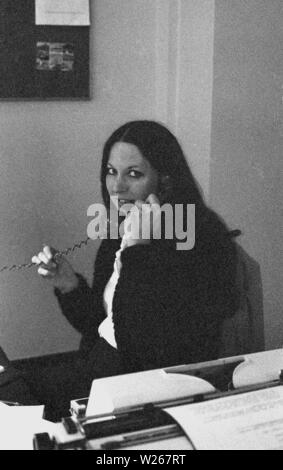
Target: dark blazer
<point x="168" y="306"/>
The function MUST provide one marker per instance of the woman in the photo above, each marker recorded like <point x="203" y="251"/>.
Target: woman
<point x="151" y="305"/>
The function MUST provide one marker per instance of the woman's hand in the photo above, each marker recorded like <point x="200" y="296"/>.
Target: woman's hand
<point x="143" y="222"/>
<point x="60" y="272"/>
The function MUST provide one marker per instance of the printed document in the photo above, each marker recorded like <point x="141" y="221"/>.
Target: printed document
<point x="248" y="421"/>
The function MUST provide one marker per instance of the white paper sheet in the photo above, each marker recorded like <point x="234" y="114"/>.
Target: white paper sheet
<point x="3" y="407"/>
<point x="259" y="368"/>
<point x="250" y="421"/>
<point x="62" y="12"/>
<point x="18" y="424"/>
<point x="112" y="393"/>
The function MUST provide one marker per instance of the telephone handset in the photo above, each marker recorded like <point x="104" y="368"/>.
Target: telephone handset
<point x="166" y="190"/>
<point x="164" y="196"/>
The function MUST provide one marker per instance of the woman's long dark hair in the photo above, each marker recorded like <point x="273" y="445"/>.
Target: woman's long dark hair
<point x="159" y="146"/>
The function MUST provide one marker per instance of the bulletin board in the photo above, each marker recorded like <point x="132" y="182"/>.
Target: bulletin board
<point x="41" y="62"/>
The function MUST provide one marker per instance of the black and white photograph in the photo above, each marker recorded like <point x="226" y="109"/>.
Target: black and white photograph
<point x="141" y="285"/>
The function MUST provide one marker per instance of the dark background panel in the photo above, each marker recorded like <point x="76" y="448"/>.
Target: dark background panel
<point x="18" y="39"/>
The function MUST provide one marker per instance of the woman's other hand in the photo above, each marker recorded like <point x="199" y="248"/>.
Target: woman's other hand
<point x="58" y="270"/>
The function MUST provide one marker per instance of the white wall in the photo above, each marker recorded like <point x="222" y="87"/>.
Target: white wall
<point x="247" y="138"/>
<point x="185" y="78"/>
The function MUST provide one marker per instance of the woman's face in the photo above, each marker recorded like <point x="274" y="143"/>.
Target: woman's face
<point x="130" y="177"/>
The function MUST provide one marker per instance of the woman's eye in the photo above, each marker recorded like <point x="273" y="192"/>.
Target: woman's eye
<point x="135" y="174"/>
<point x="132" y="173"/>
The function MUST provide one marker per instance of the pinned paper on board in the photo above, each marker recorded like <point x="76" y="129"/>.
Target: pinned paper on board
<point x="62" y="12"/>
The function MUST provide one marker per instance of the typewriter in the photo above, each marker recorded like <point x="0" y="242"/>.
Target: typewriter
<point x="130" y="411"/>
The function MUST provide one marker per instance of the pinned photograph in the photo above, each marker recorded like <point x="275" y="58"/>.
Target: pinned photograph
<point x="54" y="56"/>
